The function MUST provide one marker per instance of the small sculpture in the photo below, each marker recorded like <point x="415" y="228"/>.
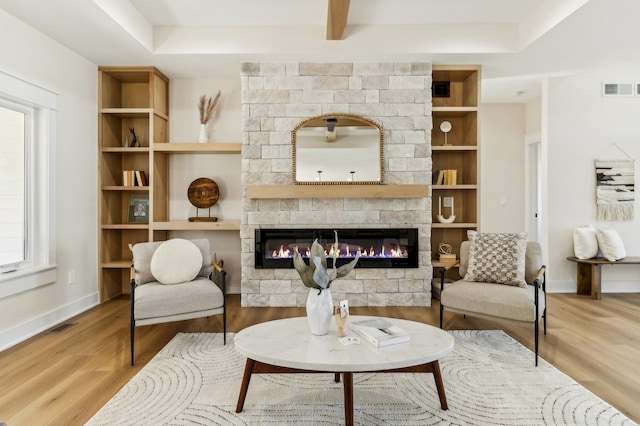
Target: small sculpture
<point x="135" y="143"/>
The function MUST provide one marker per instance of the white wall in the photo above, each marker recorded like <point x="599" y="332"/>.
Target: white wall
<point x="33" y="57"/>
<point x="582" y="126"/>
<point x="502" y="187"/>
<point x="224" y="169"/>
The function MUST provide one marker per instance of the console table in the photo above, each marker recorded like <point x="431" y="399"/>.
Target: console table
<point x="589" y="275"/>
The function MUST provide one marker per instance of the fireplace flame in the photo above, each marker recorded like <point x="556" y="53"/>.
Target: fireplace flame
<point x="283" y="252"/>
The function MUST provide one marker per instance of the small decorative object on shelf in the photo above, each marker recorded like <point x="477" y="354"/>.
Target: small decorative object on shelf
<point x="203" y="193"/>
<point x="139" y="208"/>
<point x="448" y="202"/>
<point x="445" y="127"/>
<point x="135" y="142"/>
<point x="444" y="252"/>
<point x="207" y="106"/>
<point x="318" y="279"/>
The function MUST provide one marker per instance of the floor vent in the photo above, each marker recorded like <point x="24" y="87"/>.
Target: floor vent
<point x="618" y="89"/>
<point x="60" y="328"/>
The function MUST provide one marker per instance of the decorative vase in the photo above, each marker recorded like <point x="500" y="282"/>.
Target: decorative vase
<point x="319" y="311"/>
<point x="203" y="138"/>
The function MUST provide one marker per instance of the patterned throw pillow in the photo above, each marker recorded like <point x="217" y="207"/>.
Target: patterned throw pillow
<point x="497" y="258"/>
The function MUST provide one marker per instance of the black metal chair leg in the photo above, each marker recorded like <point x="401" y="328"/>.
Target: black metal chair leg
<point x="536" y="327"/>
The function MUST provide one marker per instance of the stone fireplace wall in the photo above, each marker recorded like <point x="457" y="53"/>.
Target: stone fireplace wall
<point x="276" y="97"/>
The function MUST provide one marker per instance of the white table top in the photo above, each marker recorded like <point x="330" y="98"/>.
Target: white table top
<point x="289" y="343"/>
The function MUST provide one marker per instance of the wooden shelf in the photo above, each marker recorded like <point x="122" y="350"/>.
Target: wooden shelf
<point x="118" y="264"/>
<point x="454" y="111"/>
<point x="198" y="148"/>
<point x="121" y="150"/>
<point x="454" y="148"/>
<point x="460" y="225"/>
<point x="125" y="226"/>
<point x="124" y="188"/>
<point x="337" y="191"/>
<point x="132" y="112"/>
<point x="183" y="225"/>
<point x="451" y="187"/>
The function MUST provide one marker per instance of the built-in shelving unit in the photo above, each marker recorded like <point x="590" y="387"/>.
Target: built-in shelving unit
<point x="128" y="98"/>
<point x="459" y="107"/>
<point x="138" y="98"/>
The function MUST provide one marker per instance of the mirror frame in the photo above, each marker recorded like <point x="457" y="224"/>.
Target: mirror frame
<point x="365" y="120"/>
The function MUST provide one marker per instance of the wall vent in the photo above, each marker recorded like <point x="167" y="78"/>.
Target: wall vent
<point x="620" y="89"/>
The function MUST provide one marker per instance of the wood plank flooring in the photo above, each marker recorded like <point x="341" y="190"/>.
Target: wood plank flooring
<point x="64" y="378"/>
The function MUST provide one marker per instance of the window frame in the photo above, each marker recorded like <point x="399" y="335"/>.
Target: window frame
<point x="41" y="268"/>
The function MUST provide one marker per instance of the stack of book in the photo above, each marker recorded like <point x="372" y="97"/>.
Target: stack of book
<point x="445" y="177"/>
<point x="380" y="332"/>
<point x="134" y="178"/>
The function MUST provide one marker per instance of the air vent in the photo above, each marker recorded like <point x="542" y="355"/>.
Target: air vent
<point x="619" y="89"/>
<point x="60" y="328"/>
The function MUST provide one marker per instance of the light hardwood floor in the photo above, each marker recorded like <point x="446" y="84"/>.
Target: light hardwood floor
<point x="64" y="378"/>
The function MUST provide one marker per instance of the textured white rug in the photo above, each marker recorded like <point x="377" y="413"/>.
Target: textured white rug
<point x="489" y="379"/>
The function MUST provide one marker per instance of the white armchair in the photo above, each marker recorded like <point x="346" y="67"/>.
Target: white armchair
<point x="175" y="280"/>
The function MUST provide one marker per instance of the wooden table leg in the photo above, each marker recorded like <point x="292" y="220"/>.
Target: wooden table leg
<point x="347" y="379"/>
<point x="435" y="367"/>
<point x="588" y="279"/>
<point x="248" y="370"/>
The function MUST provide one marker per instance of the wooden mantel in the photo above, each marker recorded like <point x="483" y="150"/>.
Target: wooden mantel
<point x="337" y="191"/>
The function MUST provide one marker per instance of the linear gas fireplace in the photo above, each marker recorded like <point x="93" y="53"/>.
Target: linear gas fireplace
<point x="378" y="247"/>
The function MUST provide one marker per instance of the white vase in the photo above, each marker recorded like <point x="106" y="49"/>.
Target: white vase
<point x="319" y="311"/>
<point x="203" y="138"/>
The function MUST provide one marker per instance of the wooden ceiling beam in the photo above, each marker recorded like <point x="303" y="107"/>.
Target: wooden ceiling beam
<point x="337" y="18"/>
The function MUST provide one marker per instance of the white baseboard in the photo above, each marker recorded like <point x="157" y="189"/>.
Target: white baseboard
<point x="21" y="332"/>
<point x="607" y="287"/>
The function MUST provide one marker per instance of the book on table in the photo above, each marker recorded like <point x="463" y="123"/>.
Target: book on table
<point x="380" y="332"/>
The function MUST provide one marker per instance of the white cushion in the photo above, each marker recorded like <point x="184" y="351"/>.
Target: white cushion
<point x="585" y="242"/>
<point x="610" y="244"/>
<point x="176" y="261"/>
<point x="497" y="258"/>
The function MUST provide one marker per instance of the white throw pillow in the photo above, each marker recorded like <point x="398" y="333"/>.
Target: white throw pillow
<point x="610" y="244"/>
<point x="176" y="261"/>
<point x="585" y="242"/>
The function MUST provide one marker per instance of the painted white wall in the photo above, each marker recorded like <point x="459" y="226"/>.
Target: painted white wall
<point x="35" y="58"/>
<point x="582" y="127"/>
<point x="224" y="169"/>
<point x="502" y="194"/>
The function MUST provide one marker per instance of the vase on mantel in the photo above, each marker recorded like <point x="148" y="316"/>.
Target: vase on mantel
<point x="319" y="311"/>
<point x="203" y="138"/>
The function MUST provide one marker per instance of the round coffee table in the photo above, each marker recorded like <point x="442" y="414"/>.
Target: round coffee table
<point x="287" y="346"/>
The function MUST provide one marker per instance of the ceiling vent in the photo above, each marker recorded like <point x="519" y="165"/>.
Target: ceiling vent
<point x="620" y="89"/>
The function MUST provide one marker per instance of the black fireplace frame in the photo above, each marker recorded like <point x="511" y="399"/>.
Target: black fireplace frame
<point x="346" y="235"/>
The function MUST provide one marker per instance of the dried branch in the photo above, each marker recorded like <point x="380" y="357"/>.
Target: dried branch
<point x="207" y="106"/>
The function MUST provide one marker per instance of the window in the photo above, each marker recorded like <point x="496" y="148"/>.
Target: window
<point x="13" y="182"/>
<point x="27" y="185"/>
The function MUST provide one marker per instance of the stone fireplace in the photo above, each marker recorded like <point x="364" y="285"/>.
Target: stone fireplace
<point x="278" y="96"/>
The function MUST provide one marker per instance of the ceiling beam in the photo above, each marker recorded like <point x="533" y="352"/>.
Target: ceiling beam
<point x="337" y="18"/>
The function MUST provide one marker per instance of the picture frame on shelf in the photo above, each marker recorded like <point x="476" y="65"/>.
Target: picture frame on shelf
<point x="139" y="208"/>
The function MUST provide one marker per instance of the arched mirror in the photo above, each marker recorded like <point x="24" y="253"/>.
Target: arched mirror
<point x="333" y="149"/>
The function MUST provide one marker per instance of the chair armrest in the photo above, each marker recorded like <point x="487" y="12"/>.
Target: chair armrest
<point x="540" y="278"/>
<point x="219" y="275"/>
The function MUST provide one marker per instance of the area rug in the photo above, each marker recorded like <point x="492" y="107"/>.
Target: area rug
<point x="489" y="379"/>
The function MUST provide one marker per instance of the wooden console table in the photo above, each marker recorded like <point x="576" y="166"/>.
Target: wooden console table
<point x="589" y="276"/>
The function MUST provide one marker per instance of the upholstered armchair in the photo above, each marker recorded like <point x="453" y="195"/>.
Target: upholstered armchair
<point x="521" y="298"/>
<point x="175" y="280"/>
